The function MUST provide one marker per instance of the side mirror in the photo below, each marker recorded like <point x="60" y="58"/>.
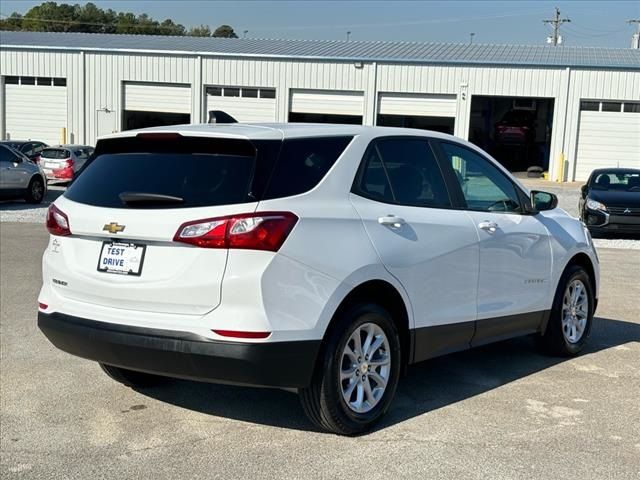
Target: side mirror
<point x="583" y="189"/>
<point x="542" y="201"/>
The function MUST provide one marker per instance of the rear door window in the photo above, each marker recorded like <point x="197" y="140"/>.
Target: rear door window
<point x="403" y="171"/>
<point x="303" y="163"/>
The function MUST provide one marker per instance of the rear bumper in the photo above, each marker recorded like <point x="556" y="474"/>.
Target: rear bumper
<point x="183" y="354"/>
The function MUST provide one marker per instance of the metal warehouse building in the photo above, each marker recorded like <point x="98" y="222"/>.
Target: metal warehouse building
<point x="582" y="104"/>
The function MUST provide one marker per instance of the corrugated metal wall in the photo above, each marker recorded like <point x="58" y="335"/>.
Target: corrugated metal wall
<point x="106" y="72"/>
<point x="49" y="64"/>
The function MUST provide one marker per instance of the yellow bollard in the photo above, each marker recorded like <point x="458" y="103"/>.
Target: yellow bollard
<point x="63" y="136"/>
<point x="559" y="168"/>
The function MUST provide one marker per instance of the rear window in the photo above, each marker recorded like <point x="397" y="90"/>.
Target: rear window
<point x="201" y="171"/>
<point x="55" y="153"/>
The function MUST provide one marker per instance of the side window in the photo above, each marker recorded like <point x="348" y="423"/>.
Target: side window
<point x="374" y="182"/>
<point x="27" y="149"/>
<point x="403" y="171"/>
<point x="485" y="188"/>
<point x="7" y="155"/>
<point x="81" y="153"/>
<point x="302" y="163"/>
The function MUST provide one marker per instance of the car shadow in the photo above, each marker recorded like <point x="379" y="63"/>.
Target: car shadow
<point x="427" y="386"/>
<point x="19" y="204"/>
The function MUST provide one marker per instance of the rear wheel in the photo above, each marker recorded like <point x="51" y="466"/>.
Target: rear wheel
<point x="131" y="378"/>
<point x="358" y="372"/>
<point x="35" y="190"/>
<point x="571" y="315"/>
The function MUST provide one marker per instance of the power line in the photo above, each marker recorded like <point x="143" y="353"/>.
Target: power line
<point x="555" y="22"/>
<point x="159" y="26"/>
<point x="402" y="23"/>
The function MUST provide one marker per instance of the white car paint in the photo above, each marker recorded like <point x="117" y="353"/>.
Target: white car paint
<point x="455" y="272"/>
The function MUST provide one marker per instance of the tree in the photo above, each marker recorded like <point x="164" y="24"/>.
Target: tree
<point x="11" y="23"/>
<point x="201" y="31"/>
<point x="54" y="17"/>
<point x="224" y="31"/>
<point x="49" y="17"/>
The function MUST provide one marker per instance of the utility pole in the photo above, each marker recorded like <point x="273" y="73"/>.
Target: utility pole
<point x="555" y="38"/>
<point x="471" y="35"/>
<point x="635" y="38"/>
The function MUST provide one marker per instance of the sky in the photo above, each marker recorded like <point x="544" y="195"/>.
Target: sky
<point x="593" y="23"/>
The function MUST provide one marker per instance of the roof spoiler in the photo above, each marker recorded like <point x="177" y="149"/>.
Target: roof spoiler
<point x="218" y="116"/>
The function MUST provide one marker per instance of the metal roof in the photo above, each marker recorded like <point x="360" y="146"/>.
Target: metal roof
<point x="393" y="52"/>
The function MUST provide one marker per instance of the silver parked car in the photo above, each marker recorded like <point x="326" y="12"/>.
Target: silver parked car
<point x="61" y="162"/>
<point x="20" y="177"/>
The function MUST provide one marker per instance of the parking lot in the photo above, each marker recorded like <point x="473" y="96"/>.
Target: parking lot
<point x="502" y="411"/>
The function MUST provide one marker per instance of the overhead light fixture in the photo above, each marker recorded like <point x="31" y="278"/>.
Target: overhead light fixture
<point x="358" y="64"/>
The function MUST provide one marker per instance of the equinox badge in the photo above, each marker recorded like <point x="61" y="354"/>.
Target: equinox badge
<point x="113" y="227"/>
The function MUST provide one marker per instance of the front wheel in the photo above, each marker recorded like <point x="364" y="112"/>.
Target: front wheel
<point x="571" y="315"/>
<point x="357" y="374"/>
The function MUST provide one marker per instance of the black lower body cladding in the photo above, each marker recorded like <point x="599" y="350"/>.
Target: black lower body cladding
<point x="183" y="354"/>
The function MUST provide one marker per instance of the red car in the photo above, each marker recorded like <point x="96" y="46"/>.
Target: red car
<point x="517" y="127"/>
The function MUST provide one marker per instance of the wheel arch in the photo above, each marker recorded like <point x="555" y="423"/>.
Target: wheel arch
<point x="583" y="260"/>
<point x="387" y="296"/>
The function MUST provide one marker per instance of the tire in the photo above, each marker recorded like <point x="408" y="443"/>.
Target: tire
<point x="131" y="378"/>
<point x="558" y="339"/>
<point x="35" y="190"/>
<point x="324" y="400"/>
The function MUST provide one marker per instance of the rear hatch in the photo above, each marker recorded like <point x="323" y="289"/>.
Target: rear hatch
<point x="52" y="158"/>
<point x="57" y="163"/>
<point x="128" y="205"/>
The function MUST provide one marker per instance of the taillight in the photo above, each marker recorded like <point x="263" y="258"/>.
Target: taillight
<point x="57" y="221"/>
<point x="239" y="334"/>
<point x="254" y="231"/>
<point x="68" y="163"/>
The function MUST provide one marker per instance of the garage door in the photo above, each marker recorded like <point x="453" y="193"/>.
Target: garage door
<point x="36" y="108"/>
<point x="245" y="104"/>
<point x="417" y="105"/>
<point x="151" y="97"/>
<point x="607" y="137"/>
<point x="329" y="103"/>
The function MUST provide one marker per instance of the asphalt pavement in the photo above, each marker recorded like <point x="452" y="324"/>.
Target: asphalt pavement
<point x="498" y="412"/>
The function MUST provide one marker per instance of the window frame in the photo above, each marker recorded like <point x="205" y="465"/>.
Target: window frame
<point x="459" y="199"/>
<point x="355" y="186"/>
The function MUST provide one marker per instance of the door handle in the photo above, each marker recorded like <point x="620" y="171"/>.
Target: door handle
<point x="391" y="221"/>
<point x="488" y="226"/>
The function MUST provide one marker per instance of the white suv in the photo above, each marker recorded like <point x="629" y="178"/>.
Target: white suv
<point x="319" y="258"/>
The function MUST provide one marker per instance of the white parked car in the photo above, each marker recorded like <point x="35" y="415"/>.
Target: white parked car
<point x="61" y="162"/>
<point x="320" y="258"/>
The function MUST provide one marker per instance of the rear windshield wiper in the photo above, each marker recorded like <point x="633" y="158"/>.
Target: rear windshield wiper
<point x="142" y="199"/>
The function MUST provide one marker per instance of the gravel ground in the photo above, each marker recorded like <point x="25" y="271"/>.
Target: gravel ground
<point x="568" y="195"/>
<point x="20" y="211"/>
<point x="502" y="411"/>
